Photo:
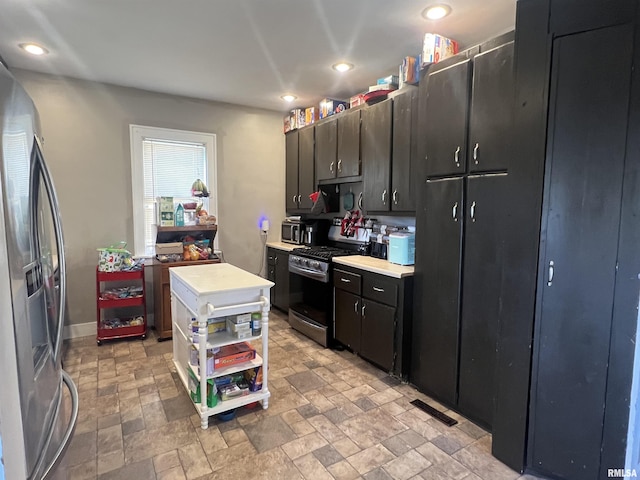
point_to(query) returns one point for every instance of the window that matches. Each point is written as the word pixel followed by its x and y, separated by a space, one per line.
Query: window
pixel 165 163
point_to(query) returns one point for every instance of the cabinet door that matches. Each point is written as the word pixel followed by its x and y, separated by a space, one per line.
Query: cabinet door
pixel 347 319
pixel 348 144
pixel 282 280
pixel 376 155
pixel 326 149
pixel 434 366
pixel 484 235
pixel 405 108
pixel 490 118
pixel 306 153
pixel 377 339
pixel 578 258
pixel 446 113
pixel 291 179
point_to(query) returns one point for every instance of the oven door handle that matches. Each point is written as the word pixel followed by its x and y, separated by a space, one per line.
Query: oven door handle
pixel 320 276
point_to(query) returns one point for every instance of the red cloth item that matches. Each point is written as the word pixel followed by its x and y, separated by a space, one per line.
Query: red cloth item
pixel 350 223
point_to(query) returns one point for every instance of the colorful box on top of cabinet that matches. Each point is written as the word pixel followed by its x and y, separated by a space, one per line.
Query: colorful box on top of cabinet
pixel 233 354
pixel 356 100
pixel 311 115
pixel 329 107
pixel 409 71
pixel 165 209
pixel 391 79
pixel 295 119
pixel 437 47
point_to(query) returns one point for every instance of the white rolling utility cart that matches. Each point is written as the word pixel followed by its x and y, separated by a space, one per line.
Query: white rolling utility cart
pixel 203 296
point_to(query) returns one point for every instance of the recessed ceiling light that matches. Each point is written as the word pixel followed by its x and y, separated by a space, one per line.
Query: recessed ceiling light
pixel 342 67
pixel 436 12
pixel 33 48
pixel 288 98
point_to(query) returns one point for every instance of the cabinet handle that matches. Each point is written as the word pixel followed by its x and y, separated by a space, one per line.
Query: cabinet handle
pixel 475 153
pixel 345 280
pixel 395 197
pixel 551 265
pixel 454 212
pixel 355 307
pixel 378 289
pixel 339 166
pixel 472 211
pixel 331 167
pixel 299 198
pixel 294 199
pixel 363 307
pixel 384 196
pixel 456 154
pixel 360 201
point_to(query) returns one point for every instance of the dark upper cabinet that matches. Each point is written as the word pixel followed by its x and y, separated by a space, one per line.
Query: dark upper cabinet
pixel 491 109
pixel 444 123
pixel 291 179
pixel 306 156
pixel 434 361
pixel 326 149
pixel 299 180
pixel 376 155
pixel 403 153
pixel 348 160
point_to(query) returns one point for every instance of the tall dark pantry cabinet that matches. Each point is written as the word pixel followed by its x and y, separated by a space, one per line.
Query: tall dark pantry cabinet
pixel 465 117
pixel 567 333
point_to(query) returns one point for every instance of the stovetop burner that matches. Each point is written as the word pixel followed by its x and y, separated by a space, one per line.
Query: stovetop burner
pixel 322 253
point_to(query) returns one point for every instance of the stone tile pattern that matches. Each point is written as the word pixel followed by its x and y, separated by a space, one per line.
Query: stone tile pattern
pixel 331 415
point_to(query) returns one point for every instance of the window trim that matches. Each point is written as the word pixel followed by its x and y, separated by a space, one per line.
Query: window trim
pixel 138 133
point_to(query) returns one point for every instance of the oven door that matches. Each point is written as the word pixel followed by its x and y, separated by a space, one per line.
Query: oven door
pixel 311 308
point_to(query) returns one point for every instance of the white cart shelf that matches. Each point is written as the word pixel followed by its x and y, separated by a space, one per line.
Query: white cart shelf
pixel 212 291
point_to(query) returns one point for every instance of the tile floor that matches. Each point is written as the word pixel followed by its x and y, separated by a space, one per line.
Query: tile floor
pixel 331 416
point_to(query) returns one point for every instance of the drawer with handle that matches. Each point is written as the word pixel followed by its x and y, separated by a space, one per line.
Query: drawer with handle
pixel 380 289
pixel 347 281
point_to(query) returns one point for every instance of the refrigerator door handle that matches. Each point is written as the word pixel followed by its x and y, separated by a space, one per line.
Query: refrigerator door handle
pixel 70 428
pixel 55 210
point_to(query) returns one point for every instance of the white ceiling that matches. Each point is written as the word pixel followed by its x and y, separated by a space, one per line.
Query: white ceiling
pixel 246 52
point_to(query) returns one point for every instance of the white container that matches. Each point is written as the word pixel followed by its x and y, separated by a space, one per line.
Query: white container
pixel 402 248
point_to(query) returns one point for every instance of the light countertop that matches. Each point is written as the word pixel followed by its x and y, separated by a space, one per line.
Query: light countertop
pixel 287 247
pixel 218 277
pixel 375 265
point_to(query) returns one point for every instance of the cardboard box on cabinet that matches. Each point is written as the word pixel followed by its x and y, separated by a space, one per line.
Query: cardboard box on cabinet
pixel 356 100
pixel 436 47
pixel 311 115
pixel 409 71
pixel 329 107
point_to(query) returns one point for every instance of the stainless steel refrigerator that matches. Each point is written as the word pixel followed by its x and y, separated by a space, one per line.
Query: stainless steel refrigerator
pixel 38 400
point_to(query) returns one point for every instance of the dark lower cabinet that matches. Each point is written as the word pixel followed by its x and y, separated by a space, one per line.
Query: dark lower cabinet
pixel 373 316
pixel 485 228
pixel 278 272
pixel 348 319
pixel 378 328
pixel 579 253
pixel 434 352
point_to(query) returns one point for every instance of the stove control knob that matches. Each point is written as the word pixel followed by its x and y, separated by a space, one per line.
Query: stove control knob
pixel 315 264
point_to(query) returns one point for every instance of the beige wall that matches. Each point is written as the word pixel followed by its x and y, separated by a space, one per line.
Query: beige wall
pixel 86 131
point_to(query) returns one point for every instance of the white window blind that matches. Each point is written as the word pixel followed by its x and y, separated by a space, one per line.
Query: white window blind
pixel 165 163
pixel 170 168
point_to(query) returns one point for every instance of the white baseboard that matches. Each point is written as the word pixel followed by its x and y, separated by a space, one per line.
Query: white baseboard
pixel 79 330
